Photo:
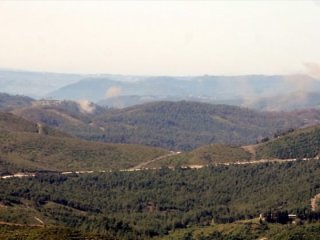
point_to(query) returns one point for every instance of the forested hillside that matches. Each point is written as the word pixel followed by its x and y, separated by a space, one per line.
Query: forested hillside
pixel 76 118
pixel 187 125
pixel 28 146
pixel 12 123
pixel 288 145
pixel 171 125
pixel 292 144
pixel 304 143
pixel 138 205
pixel 10 102
pixel 248 230
pixel 205 155
pixel 23 232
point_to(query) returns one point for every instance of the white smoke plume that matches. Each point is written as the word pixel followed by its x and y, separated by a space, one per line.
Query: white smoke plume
pixel 86 106
pixel 113 92
pixel 313 69
pixel 299 82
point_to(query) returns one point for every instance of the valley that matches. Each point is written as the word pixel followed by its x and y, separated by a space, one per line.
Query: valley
pixel 179 126
pixel 58 176
pixel 160 120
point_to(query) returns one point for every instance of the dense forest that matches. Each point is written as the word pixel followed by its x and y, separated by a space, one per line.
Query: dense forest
pixel 171 125
pixel 26 146
pixel 247 230
pixel 143 204
pixel 304 143
pixel 9 102
pixel 214 202
pixel 205 155
pixel 9 232
pixel 187 125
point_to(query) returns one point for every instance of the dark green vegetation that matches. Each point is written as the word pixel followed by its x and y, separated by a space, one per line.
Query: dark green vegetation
pixel 28 146
pixel 179 204
pixel 299 144
pixel 76 118
pixel 187 125
pixel 9 102
pixel 247 230
pixel 304 143
pixel 49 233
pixel 138 205
pixel 171 125
pixel 13 123
pixel 205 155
pixel 23 148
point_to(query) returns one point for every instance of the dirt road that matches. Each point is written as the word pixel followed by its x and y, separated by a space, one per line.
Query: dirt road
pixel 142 165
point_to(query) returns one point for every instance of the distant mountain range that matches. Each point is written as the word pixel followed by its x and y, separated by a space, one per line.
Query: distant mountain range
pixel 34 84
pixel 287 102
pixel 261 92
pixel 212 89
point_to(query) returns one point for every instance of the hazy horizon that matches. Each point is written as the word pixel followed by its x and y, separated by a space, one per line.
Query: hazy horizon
pixel 178 38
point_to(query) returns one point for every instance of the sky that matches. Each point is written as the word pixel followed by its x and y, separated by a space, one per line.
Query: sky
pixel 161 37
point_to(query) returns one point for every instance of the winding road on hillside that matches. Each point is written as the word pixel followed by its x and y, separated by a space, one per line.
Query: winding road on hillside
pixel 142 165
pixel 21 225
pixel 314 202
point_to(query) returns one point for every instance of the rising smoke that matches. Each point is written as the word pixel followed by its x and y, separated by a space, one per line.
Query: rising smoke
pixel 313 69
pixel 86 106
pixel 113 92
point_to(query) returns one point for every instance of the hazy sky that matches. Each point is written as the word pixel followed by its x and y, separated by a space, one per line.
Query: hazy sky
pixel 161 37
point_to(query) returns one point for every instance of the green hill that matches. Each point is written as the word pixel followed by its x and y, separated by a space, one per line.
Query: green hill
pixel 60 113
pixel 303 143
pixel 12 123
pixel 205 155
pixel 298 144
pixel 52 233
pixel 187 125
pixel 247 230
pixel 28 146
pixel 144 204
pixel 171 125
pixel 10 102
pixel 74 118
